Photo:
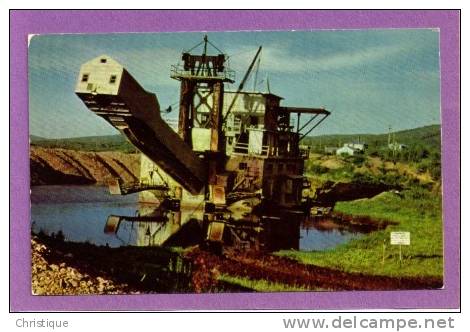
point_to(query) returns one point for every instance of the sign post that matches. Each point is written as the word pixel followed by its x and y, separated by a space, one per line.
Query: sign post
pixel 400 238
pixel 383 252
pixel 400 252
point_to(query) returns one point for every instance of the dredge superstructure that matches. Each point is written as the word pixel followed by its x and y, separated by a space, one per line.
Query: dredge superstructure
pixel 230 147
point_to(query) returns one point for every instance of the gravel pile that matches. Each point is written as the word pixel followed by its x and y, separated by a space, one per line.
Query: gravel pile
pixel 61 279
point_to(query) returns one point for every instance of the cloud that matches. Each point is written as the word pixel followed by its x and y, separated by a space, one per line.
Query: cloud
pixel 149 65
pixel 363 81
pixel 278 58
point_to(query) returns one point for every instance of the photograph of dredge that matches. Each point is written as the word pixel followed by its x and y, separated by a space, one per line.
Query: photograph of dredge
pixel 231 188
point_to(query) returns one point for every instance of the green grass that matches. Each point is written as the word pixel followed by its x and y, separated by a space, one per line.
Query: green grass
pixel 261 285
pixel 417 212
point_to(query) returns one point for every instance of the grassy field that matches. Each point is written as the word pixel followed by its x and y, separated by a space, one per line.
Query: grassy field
pixel 261 285
pixel 416 210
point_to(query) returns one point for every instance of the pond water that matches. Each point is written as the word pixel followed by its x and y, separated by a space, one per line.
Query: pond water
pixel 91 214
pixel 318 240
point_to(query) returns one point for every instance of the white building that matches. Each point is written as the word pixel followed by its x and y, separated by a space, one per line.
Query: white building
pixel 356 145
pixel 347 150
pixel 352 148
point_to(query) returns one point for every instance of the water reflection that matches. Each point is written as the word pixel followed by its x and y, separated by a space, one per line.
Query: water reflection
pixel 90 214
pixel 317 234
pixel 156 225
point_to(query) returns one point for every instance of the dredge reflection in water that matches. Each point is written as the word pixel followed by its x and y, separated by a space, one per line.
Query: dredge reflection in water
pixel 89 214
pixel 161 226
pixel 158 226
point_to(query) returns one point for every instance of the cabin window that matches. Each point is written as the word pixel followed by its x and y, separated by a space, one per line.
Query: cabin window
pixel 103 60
pixel 112 79
pixel 85 77
pixel 242 166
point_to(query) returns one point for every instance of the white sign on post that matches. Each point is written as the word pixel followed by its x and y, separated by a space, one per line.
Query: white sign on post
pixel 400 238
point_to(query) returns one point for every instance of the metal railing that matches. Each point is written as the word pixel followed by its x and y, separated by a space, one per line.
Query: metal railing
pixel 243 148
pixel 178 71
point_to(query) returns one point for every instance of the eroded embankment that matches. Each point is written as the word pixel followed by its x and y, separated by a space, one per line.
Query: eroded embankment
pixel 331 192
pixel 61 166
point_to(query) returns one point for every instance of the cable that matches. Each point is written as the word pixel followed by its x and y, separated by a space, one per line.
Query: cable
pixel 192 48
pixel 215 47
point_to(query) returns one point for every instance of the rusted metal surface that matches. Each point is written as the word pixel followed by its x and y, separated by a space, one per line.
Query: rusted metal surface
pixel 215 231
pixel 216 117
pixel 218 194
pixel 112 224
pixel 186 100
pixel 203 67
pixel 306 110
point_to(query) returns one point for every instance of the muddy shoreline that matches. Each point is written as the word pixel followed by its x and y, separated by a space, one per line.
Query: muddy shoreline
pixel 60 268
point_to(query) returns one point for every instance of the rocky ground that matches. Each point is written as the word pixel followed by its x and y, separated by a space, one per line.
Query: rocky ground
pixel 71 268
pixel 62 279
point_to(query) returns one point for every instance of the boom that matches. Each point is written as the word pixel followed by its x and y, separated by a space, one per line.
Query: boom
pixel 108 90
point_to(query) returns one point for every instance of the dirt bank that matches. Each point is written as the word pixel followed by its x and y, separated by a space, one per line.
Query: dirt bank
pixel 331 192
pixel 61 166
pixel 258 266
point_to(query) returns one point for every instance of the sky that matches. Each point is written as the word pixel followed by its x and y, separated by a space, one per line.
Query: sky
pixel 370 80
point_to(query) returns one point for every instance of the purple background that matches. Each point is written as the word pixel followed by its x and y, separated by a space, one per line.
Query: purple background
pixel 23 23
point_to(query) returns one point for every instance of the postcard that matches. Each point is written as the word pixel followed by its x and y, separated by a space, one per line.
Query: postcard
pixel 285 164
pixel 235 162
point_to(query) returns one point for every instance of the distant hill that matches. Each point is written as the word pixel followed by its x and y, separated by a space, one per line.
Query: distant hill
pixel 34 138
pixel 427 135
pixel 88 143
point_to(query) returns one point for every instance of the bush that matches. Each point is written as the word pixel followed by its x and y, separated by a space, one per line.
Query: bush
pixel 358 159
pixel 436 171
pixel 365 178
pixel 417 192
pixel 317 169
